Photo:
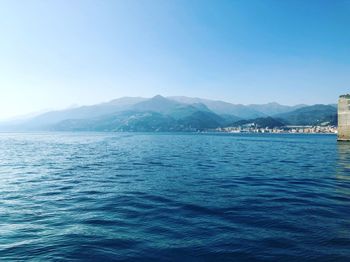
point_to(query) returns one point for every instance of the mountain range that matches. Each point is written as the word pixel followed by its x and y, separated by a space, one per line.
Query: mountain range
pixel 176 113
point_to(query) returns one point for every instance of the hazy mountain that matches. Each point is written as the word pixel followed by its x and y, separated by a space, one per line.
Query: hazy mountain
pixel 272 109
pixel 242 111
pixel 154 114
pixel 22 118
pixel 229 119
pixel 84 112
pixel 310 115
pixel 221 107
pixel 157 103
pixel 182 111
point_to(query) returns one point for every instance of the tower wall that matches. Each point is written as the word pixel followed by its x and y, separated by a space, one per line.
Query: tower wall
pixel 344 118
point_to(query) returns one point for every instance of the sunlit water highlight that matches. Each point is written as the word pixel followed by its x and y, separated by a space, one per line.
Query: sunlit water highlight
pixel 171 197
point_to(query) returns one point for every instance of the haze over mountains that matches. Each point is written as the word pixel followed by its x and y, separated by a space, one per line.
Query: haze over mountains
pixel 175 113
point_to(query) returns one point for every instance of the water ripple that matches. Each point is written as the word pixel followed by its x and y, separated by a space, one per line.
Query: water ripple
pixel 170 197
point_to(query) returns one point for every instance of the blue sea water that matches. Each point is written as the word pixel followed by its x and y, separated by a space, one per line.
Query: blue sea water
pixel 174 197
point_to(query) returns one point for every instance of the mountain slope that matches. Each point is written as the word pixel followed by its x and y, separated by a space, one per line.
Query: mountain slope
pixel 272 109
pixel 158 104
pixel 310 115
pixel 182 118
pixel 196 116
pixel 84 112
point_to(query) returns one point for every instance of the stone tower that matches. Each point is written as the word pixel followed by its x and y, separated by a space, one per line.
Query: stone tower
pixel 344 118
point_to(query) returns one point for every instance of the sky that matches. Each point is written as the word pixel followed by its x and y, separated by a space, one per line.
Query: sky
pixel 59 53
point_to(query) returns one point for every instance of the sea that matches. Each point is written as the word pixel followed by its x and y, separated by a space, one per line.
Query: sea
pixel 174 197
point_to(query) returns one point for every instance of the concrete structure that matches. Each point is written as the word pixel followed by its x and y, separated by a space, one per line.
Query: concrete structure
pixel 344 118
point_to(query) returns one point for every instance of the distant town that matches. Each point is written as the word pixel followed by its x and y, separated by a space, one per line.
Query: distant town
pixel 278 130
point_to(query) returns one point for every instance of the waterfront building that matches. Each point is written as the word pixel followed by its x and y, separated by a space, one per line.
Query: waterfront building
pixel 344 118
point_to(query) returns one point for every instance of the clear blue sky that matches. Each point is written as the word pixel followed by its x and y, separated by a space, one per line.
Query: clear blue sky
pixel 57 53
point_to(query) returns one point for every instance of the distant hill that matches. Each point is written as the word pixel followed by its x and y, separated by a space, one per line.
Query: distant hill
pixel 310 115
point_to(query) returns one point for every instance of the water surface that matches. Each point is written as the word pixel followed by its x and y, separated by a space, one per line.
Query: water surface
pixel 171 197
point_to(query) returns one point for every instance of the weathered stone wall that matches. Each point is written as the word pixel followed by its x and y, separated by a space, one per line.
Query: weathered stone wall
pixel 344 118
